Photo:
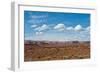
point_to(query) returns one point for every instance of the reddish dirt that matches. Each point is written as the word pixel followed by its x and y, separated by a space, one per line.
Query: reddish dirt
pixel 56 51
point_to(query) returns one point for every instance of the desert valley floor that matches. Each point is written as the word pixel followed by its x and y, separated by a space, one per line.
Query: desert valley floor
pixel 54 50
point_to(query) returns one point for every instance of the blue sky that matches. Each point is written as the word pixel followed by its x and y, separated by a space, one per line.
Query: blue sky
pixel 54 26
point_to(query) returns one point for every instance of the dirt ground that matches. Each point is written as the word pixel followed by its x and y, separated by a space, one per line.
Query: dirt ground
pixel 60 51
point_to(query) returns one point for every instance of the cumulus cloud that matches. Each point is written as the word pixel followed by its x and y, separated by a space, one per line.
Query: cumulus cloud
pixel 70 28
pixel 42 28
pixel 33 26
pixel 39 33
pixel 59 27
pixel 78 28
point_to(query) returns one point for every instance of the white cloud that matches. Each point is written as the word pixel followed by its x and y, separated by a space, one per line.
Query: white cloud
pixel 33 26
pixel 38 16
pixel 60 27
pixel 36 21
pixel 70 28
pixel 88 28
pixel 42 28
pixel 78 28
pixel 39 33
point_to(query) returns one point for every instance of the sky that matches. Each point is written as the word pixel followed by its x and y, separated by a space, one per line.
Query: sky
pixel 56 26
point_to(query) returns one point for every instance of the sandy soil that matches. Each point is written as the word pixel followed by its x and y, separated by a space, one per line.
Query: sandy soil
pixel 56 51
